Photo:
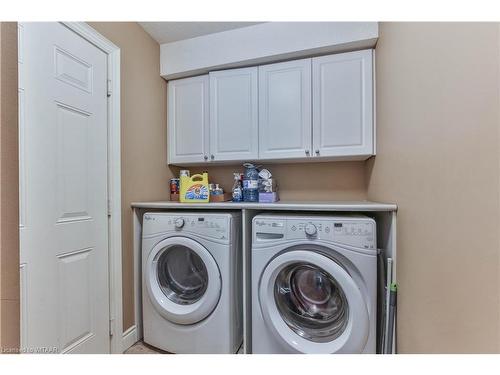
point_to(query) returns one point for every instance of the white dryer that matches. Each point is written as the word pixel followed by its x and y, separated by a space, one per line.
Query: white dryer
pixel 314 284
pixel 191 282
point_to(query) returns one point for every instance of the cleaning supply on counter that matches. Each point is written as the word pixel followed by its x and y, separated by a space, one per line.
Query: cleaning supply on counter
pixel 237 189
pixel 217 193
pixel 250 183
pixel 217 190
pixel 267 184
pixel 268 189
pixel 194 189
pixel 268 197
pixel 174 189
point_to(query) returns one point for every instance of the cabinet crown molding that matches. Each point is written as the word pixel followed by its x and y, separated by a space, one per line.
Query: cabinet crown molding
pixel 263 43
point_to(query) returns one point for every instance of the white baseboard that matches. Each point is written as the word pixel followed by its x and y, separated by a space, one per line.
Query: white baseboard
pixel 129 338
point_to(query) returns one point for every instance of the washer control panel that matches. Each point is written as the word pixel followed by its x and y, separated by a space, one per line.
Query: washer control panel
pixel 354 231
pixel 203 225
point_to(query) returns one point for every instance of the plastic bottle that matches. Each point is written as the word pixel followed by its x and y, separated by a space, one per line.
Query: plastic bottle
pixel 237 189
pixel 218 190
pixel 250 183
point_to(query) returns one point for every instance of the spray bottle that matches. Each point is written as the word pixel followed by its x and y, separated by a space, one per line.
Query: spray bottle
pixel 237 188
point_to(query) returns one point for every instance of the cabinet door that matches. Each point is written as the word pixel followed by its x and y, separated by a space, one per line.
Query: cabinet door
pixel 188 116
pixel 343 104
pixel 285 110
pixel 233 115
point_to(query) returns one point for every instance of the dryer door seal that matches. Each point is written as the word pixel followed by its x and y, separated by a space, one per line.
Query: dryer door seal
pixel 313 304
pixel 183 280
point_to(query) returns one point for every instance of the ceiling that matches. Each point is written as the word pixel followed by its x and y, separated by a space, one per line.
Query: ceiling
pixel 165 32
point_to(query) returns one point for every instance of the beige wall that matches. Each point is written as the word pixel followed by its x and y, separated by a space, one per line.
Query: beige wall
pixel 9 193
pixel 145 173
pixel 306 181
pixel 438 159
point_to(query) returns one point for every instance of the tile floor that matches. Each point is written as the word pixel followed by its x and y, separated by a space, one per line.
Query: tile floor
pixel 142 348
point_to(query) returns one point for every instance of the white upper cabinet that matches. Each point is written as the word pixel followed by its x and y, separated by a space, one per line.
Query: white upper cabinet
pixel 234 114
pixel 342 98
pixel 188 117
pixel 314 109
pixel 285 110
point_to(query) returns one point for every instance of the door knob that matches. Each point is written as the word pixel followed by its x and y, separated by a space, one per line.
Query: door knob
pixel 317 152
pixel 205 157
pixel 212 157
pixel 307 152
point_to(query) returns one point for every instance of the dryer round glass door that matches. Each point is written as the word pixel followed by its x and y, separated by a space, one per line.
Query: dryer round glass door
pixel 182 275
pixel 183 280
pixel 313 305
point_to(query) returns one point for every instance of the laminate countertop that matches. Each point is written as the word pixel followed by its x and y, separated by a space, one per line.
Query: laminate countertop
pixel 362 206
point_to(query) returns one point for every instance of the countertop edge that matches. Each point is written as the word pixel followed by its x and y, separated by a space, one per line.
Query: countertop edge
pixel 281 205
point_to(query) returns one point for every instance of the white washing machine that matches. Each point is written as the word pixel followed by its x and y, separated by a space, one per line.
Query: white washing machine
pixel 314 284
pixel 191 282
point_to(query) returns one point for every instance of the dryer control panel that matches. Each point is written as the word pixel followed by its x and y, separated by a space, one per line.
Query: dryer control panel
pixel 356 231
pixel 213 226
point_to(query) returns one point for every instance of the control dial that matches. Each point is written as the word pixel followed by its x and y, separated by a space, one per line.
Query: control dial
pixel 310 229
pixel 179 222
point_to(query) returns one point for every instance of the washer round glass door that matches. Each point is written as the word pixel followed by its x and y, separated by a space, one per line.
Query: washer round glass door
pixel 313 304
pixel 183 280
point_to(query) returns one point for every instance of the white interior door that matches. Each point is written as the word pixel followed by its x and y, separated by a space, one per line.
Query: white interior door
pixel 64 223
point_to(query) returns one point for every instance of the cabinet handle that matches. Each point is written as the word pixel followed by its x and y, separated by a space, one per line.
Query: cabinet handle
pixel 317 152
pixel 212 157
pixel 307 152
pixel 205 157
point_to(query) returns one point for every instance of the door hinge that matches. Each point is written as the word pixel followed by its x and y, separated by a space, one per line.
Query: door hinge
pixel 111 327
pixel 109 88
pixel 109 207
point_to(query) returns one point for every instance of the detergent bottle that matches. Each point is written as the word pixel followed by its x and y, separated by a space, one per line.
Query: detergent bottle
pixel 194 188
